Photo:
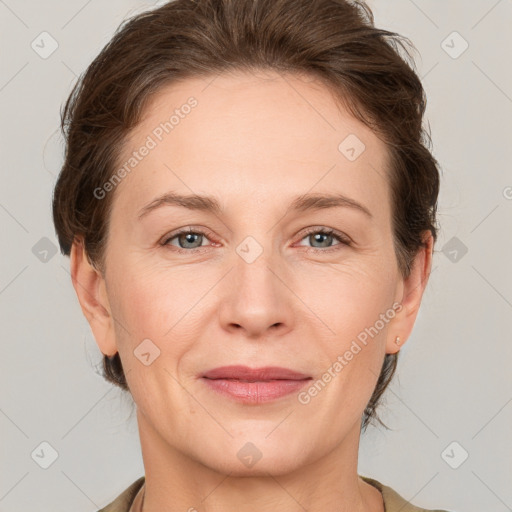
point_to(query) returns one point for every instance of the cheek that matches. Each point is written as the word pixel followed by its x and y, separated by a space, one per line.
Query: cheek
pixel 357 308
pixel 167 306
pixel 352 298
pixel 153 306
pixel 361 309
pixel 155 299
pixel 358 312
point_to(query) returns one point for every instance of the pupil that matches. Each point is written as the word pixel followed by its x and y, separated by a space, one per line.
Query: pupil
pixel 318 237
pixel 189 237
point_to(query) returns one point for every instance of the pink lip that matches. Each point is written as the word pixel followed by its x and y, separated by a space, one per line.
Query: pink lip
pixel 254 374
pixel 254 385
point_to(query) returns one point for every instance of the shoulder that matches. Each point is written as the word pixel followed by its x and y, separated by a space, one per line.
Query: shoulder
pixel 394 502
pixel 124 501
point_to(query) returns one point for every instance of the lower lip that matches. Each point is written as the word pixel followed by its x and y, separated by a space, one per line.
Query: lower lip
pixel 255 392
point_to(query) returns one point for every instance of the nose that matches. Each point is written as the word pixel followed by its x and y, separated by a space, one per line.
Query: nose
pixel 256 299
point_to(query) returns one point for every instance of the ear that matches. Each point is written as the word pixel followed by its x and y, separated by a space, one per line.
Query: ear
pixel 90 288
pixel 409 295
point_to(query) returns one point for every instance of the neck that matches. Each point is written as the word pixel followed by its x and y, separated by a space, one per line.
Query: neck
pixel 176 481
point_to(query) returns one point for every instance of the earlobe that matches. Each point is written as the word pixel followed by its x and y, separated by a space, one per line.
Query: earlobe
pixel 90 289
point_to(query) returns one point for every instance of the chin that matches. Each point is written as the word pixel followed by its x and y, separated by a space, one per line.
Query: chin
pixel 254 453
pixel 275 464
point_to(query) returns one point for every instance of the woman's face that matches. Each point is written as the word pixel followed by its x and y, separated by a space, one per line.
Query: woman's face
pixel 255 283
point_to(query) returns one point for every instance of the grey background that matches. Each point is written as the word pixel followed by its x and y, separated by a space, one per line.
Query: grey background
pixel 454 381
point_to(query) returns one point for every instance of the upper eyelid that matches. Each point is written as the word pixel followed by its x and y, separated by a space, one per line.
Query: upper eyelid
pixel 184 231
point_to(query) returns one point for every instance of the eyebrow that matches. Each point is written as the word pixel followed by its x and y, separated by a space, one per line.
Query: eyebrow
pixel 301 203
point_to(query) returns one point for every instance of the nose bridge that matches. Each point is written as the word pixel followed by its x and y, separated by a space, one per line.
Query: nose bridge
pixel 254 278
pixel 255 296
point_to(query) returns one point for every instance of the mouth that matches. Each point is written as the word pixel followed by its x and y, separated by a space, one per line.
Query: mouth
pixel 254 385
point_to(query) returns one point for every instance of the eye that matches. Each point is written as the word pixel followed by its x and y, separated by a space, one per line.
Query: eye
pixel 187 239
pixel 191 239
pixel 325 237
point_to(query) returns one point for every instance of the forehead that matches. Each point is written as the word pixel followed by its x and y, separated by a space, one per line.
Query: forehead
pixel 251 132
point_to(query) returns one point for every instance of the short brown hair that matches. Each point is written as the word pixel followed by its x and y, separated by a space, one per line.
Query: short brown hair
pixel 333 40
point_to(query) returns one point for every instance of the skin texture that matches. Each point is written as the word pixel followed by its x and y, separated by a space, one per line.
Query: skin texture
pixel 254 142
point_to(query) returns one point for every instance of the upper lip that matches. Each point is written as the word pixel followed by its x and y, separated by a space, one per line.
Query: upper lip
pixel 254 374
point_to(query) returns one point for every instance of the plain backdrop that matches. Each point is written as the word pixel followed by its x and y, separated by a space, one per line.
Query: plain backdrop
pixel 450 405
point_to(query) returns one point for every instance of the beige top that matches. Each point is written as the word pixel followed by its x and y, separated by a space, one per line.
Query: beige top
pixel 393 502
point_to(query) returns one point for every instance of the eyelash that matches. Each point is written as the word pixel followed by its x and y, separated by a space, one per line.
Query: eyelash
pixel 343 239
